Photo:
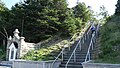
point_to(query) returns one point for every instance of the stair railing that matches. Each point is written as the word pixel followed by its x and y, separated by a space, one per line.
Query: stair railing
pixel 79 44
pixel 62 52
pixel 90 46
pixel 73 53
pixel 92 41
pixel 81 40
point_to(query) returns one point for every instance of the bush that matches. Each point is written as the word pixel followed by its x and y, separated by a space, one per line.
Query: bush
pixel 2 53
pixel 110 42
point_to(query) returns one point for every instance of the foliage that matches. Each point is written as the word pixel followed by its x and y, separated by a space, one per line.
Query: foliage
pixel 39 20
pixel 2 53
pixel 4 13
pixel 103 11
pixel 4 18
pixel 45 53
pixel 42 19
pixel 110 41
pixel 82 12
pixel 117 11
pixel 103 15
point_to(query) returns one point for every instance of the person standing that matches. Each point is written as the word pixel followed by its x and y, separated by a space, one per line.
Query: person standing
pixel 93 29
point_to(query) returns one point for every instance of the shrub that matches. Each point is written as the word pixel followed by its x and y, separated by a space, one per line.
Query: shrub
pixel 110 41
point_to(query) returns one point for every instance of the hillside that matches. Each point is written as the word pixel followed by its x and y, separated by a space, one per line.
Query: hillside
pixel 110 41
pixel 52 47
pixel 43 19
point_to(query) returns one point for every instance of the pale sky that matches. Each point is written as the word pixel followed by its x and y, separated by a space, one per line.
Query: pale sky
pixel 9 3
pixel 95 4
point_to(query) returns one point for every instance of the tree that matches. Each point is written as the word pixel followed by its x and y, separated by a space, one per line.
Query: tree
pixel 39 19
pixel 117 11
pixel 82 12
pixel 103 14
pixel 4 18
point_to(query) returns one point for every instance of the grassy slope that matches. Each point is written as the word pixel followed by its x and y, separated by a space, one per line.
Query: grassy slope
pixel 110 41
pixel 49 51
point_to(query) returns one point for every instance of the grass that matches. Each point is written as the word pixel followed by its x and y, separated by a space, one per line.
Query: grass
pixel 49 51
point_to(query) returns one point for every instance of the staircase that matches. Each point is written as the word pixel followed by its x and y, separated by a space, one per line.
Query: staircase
pixel 80 55
pixel 80 51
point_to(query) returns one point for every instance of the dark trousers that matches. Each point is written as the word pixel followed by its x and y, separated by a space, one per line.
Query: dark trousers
pixel 93 31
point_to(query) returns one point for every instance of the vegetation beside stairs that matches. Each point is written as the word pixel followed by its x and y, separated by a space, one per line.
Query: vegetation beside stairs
pixel 51 48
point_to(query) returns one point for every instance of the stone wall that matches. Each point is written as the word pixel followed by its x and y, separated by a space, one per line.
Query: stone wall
pixel 26 47
pixel 91 64
pixel 23 46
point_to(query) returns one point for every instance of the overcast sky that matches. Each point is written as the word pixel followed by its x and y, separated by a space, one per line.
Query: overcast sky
pixel 95 4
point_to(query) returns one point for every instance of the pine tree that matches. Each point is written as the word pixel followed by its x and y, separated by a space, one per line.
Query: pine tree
pixel 4 18
pixel 117 11
pixel 82 12
pixel 39 19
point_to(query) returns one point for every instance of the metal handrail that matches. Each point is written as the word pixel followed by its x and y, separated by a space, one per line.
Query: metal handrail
pixel 91 43
pixel 57 57
pixel 90 28
pixel 73 53
pixel 88 52
pixel 61 53
pixel 69 49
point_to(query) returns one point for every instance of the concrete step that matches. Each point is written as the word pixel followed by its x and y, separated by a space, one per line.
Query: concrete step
pixel 77 60
pixel 77 57
pixel 77 51
pixel 72 62
pixel 77 54
pixel 71 66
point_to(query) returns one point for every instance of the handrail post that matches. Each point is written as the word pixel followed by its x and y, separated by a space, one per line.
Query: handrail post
pixel 92 44
pixel 92 41
pixel 69 48
pixel 89 55
pixel 80 45
pixel 74 57
pixel 62 54
pixel 95 37
pixel 85 36
pixel 83 40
